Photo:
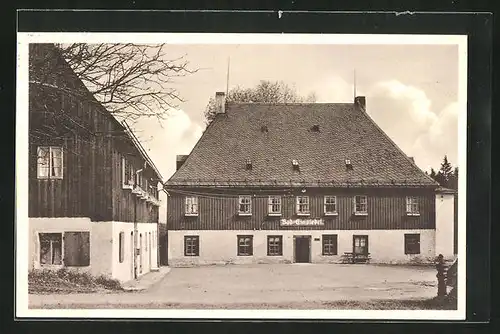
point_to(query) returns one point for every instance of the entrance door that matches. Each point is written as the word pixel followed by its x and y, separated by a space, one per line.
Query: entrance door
pixel 360 244
pixel 302 249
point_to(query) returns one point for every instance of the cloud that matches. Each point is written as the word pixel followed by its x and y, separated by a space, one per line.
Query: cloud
pixel 405 113
pixel 177 134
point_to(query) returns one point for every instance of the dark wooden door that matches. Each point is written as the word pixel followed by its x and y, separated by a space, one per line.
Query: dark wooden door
pixel 360 244
pixel 302 245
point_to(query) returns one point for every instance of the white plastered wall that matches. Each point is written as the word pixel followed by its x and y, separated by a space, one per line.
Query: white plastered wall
pixel 220 247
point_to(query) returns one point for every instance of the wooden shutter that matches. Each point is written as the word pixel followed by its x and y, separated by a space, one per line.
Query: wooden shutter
pixel 77 249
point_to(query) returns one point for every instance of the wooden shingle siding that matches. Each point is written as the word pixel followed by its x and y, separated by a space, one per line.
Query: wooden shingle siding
pixel 386 210
pixel 62 113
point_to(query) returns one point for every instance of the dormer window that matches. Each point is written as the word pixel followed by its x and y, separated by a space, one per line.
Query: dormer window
pixel 248 164
pixel 295 164
pixel 264 128
pixel 348 164
pixel 315 128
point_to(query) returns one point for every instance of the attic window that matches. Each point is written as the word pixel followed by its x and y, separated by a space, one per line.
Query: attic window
pixel 264 128
pixel 348 164
pixel 295 164
pixel 315 128
pixel 248 165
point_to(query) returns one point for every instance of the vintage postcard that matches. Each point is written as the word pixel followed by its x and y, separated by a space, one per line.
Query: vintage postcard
pixel 249 176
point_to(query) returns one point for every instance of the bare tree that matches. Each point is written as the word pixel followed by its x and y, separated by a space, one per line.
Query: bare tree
pixel 266 91
pixel 129 80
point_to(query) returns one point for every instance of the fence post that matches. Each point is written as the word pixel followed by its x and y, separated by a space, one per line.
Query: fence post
pixel 441 276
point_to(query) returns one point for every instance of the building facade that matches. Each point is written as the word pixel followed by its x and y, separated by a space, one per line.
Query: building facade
pixel 296 182
pixel 93 191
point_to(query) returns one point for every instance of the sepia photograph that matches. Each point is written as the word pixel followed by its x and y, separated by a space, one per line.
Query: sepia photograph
pixel 233 175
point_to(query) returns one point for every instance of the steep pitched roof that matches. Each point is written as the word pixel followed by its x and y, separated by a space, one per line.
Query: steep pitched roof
pixel 345 132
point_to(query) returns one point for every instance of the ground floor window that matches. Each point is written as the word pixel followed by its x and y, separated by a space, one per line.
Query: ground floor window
pixel 50 248
pixel 121 246
pixel 274 245
pixel 192 245
pixel 329 244
pixel 245 245
pixel 412 243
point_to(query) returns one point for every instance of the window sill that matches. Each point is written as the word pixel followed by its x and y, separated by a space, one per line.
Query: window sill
pixel 303 214
pixel 191 214
pixel 50 178
pixel 245 254
pixel 416 214
pixel 361 213
pixel 274 214
pixel 331 214
pixel 329 254
pixel 244 214
pixel 127 186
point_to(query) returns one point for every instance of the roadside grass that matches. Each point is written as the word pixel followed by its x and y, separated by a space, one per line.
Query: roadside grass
pixel 388 304
pixel 62 281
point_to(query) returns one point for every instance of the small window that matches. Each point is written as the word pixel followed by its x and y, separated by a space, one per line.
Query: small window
pixel 50 248
pixel 127 174
pixel 330 205
pixel 192 245
pixel 303 205
pixel 191 208
pixel 245 205
pixel 295 165
pixel 360 205
pixel 121 246
pixel 274 245
pixel 49 162
pixel 274 205
pixel 329 244
pixel 412 207
pixel 248 165
pixel 412 243
pixel 245 245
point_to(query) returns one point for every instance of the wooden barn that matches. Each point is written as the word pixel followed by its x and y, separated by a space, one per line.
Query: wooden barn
pixel 93 190
pixel 302 182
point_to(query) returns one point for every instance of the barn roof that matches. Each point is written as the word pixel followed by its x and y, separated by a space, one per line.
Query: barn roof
pixel 323 138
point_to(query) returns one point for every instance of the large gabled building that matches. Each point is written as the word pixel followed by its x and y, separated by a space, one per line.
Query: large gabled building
pixel 302 182
pixel 93 190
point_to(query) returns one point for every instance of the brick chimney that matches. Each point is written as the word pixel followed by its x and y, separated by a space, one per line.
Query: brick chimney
pixel 360 101
pixel 180 159
pixel 220 102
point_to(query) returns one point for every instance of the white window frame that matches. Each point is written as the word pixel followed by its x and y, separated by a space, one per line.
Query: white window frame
pixel 242 200
pixel 191 207
pixel 326 202
pixel 412 206
pixel 298 206
pixel 271 205
pixel 127 184
pixel 355 204
pixel 50 265
pixel 50 162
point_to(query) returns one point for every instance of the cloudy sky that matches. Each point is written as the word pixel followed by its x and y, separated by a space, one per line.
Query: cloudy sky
pixel 411 91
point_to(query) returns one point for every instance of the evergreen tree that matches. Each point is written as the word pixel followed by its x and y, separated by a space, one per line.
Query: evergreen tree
pixel 446 171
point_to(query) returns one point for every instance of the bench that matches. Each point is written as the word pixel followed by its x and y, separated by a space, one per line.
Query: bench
pixel 349 257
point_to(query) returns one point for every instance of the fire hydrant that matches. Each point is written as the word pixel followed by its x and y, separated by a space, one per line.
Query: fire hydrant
pixel 441 276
